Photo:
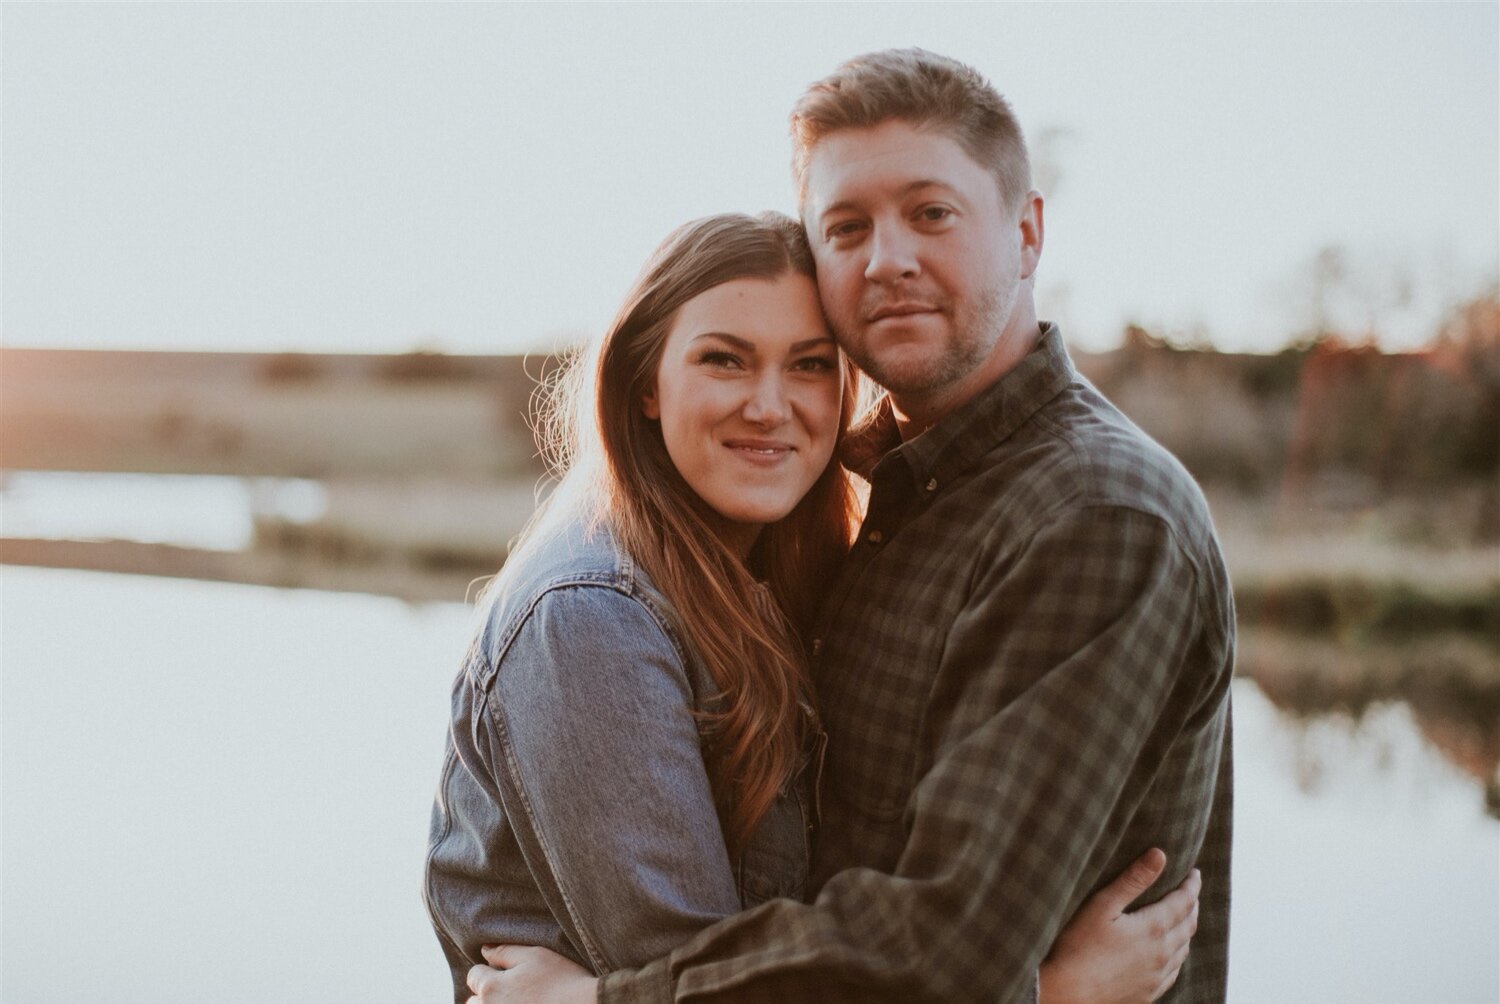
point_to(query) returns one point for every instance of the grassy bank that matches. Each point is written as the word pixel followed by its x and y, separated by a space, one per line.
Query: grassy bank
pixel 1355 610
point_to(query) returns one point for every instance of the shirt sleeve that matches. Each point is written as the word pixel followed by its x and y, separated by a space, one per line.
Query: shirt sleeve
pixel 600 771
pixel 1063 687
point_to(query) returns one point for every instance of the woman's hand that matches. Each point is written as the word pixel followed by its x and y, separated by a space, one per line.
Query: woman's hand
pixel 1108 956
pixel 530 975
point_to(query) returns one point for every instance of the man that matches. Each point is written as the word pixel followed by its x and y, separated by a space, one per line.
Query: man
pixel 1024 669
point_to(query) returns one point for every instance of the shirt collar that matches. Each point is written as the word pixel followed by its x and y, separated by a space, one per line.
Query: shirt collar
pixel 958 442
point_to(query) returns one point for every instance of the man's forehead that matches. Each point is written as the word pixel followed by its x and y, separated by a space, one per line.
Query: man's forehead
pixel 893 157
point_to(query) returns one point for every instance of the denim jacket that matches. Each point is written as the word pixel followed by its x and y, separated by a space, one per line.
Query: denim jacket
pixel 574 809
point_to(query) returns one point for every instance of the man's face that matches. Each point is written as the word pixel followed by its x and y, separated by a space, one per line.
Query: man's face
pixel 921 268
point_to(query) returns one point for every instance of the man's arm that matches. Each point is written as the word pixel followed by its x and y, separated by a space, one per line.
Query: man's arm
pixel 1063 690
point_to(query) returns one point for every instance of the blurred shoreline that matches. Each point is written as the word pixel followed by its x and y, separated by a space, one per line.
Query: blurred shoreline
pixel 1357 493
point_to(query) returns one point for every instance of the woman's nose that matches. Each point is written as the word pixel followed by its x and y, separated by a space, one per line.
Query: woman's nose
pixel 767 404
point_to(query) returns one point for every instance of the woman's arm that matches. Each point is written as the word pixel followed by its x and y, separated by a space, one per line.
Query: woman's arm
pixel 603 776
pixel 1103 956
pixel 581 728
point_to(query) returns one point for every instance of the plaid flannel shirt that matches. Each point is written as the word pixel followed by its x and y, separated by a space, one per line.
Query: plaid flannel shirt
pixel 1024 673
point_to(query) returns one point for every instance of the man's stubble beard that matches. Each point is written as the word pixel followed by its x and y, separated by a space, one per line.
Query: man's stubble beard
pixel 972 338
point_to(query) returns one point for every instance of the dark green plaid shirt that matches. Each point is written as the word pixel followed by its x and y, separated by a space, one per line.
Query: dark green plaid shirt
pixel 1024 673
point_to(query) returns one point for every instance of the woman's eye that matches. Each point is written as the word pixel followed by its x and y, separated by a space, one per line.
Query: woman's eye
pixel 846 229
pixel 721 360
pixel 816 364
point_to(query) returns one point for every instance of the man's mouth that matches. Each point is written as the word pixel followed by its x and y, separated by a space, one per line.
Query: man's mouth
pixel 902 309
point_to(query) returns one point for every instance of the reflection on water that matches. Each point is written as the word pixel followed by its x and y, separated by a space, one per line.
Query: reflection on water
pixel 1475 749
pixel 1325 742
pixel 219 775
pixel 1364 871
pixel 1445 686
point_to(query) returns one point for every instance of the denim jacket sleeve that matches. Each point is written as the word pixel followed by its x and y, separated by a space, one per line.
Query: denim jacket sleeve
pixel 586 715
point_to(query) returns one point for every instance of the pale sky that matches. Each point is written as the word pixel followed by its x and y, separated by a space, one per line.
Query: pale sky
pixel 475 178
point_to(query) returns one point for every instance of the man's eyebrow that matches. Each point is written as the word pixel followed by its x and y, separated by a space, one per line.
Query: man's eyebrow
pixel 911 186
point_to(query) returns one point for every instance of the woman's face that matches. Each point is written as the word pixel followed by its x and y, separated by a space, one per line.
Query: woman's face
pixel 748 394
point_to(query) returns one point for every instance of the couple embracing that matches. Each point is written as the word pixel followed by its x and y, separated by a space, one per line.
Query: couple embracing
pixel 780 701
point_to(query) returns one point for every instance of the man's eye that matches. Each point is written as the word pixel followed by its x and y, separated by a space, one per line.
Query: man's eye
pixel 842 230
pixel 934 214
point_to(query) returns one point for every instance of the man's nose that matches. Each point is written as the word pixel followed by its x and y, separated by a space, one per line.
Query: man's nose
pixel 767 404
pixel 893 255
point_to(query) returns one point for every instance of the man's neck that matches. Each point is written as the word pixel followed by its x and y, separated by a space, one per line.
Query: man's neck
pixel 915 415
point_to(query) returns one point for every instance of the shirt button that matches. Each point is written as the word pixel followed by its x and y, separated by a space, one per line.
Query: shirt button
pixel 932 484
pixel 817 646
pixel 875 536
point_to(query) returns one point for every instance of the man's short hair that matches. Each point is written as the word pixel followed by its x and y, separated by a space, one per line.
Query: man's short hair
pixel 923 89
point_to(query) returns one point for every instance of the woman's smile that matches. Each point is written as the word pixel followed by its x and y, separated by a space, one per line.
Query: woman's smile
pixel 760 451
pixel 748 394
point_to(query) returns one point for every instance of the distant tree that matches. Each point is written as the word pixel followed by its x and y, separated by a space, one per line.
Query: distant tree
pixel 1468 348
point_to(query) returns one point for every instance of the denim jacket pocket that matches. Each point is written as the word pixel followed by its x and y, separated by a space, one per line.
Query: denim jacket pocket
pixel 775 861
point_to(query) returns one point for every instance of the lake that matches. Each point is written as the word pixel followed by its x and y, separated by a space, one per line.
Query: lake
pixel 218 790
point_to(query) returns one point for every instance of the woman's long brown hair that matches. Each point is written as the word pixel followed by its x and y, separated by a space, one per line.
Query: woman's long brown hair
pixel 748 635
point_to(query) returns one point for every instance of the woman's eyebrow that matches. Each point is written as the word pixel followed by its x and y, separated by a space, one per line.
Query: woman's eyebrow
pixel 747 345
pixel 813 343
pixel 724 336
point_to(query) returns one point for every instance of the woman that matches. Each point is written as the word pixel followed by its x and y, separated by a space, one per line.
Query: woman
pixel 634 749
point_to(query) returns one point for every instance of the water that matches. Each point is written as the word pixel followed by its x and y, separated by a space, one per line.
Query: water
pixel 1365 868
pixel 216 790
pixel 190 510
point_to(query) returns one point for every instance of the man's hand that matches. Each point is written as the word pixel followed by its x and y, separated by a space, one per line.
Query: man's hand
pixel 529 976
pixel 1108 956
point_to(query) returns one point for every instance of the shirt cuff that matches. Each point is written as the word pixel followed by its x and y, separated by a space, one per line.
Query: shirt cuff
pixel 650 985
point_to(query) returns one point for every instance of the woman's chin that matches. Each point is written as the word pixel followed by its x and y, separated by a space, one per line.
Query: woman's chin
pixel 754 505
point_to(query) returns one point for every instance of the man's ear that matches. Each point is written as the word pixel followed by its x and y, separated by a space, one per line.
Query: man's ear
pixel 650 407
pixel 1032 232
